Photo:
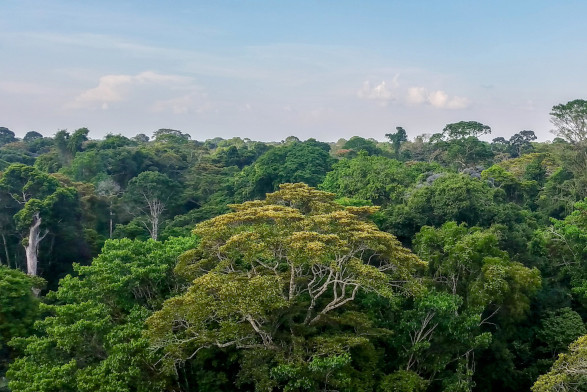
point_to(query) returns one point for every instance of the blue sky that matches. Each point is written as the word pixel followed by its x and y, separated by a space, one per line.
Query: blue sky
pixel 269 69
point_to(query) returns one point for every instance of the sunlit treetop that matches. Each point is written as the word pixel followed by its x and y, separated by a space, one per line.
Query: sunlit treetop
pixel 294 259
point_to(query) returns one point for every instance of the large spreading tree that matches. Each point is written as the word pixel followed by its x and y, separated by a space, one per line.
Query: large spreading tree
pixel 277 281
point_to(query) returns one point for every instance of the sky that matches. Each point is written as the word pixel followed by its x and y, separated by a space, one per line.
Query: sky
pixel 265 70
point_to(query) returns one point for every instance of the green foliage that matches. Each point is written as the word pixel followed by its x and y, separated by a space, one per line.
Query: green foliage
pixel 306 162
pixel 504 180
pixel 6 136
pixel 205 181
pixel 358 144
pixel 91 338
pixel 569 372
pixel 111 142
pixel 173 136
pixel 468 262
pixel 397 139
pixel 18 309
pixel 520 142
pixel 474 318
pixel 441 198
pixel 465 129
pixel 436 332
pixel 239 154
pixel 68 145
pixel 37 198
pixel 24 182
pixel 377 179
pixel 566 242
pixel 318 373
pixel 148 195
pixel 32 136
pixel 310 258
pixel 474 287
pixel 560 328
pixel 48 162
pixel 86 166
pixel 570 120
pixel 9 156
pixel 403 381
pixel 460 153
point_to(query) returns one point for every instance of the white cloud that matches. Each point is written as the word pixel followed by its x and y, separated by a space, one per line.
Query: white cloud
pixel 381 93
pixel 438 99
pixel 384 93
pixel 395 82
pixel 458 103
pixel 417 95
pixel 113 89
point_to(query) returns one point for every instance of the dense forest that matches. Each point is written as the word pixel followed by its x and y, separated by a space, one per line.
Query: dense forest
pixel 163 263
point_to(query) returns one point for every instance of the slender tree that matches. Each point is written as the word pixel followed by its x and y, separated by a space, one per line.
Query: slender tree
pixel 148 195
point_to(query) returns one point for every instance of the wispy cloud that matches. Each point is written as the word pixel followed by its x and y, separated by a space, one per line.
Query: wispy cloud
pixel 385 92
pixel 189 103
pixel 175 93
pixel 24 88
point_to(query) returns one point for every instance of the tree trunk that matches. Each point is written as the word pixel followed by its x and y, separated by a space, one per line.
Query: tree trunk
pixel 110 224
pixel 156 208
pixel 111 216
pixel 6 250
pixel 32 246
pixel 154 227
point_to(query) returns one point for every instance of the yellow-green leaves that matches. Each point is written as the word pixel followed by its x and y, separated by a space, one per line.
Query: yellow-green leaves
pixel 218 310
pixel 569 372
pixel 293 259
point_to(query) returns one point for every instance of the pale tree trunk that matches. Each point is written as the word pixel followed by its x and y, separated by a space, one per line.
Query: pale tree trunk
pixel 154 227
pixel 156 208
pixel 32 246
pixel 111 215
pixel 6 250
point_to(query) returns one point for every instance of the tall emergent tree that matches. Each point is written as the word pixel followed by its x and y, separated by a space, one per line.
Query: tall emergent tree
pixel 570 120
pixel 397 139
pixel 465 129
pixel 109 190
pixel 34 196
pixel 277 282
pixel 520 142
pixel 6 136
pixel 149 194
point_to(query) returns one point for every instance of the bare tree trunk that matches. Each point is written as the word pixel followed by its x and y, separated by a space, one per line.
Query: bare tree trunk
pixel 32 246
pixel 154 227
pixel 6 250
pixel 111 214
pixel 156 208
